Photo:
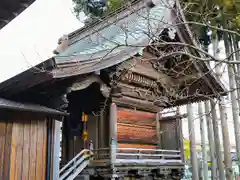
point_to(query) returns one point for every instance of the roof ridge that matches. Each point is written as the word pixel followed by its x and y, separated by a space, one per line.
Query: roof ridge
pixel 111 17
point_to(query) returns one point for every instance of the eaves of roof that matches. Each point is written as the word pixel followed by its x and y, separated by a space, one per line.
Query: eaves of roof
pixel 12 105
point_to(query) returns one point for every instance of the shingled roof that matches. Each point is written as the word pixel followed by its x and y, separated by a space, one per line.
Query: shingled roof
pixel 113 40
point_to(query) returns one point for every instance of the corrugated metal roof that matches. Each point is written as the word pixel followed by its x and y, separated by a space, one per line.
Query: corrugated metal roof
pixel 12 105
pixel 117 42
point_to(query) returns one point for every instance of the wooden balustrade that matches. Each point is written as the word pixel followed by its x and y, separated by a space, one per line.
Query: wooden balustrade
pixel 137 155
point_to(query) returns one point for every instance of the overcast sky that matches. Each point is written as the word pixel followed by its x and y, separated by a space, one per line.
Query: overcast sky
pixel 32 36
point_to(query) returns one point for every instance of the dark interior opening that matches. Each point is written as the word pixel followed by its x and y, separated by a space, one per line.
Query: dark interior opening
pixel 89 101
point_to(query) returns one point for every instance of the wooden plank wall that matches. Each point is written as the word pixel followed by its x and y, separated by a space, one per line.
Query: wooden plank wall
pixel 169 134
pixel 5 148
pixel 23 143
pixel 136 127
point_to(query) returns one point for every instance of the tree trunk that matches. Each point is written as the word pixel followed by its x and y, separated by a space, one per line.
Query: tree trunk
pixel 203 138
pixel 211 141
pixel 217 141
pixel 232 88
pixel 210 136
pixel 223 117
pixel 191 130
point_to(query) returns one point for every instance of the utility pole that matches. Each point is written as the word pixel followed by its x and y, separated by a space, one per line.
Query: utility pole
pixel 223 117
pixel 217 140
pixel 191 131
pixel 203 137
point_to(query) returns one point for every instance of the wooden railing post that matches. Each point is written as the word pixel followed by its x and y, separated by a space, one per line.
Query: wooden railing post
pixel 91 148
pixel 113 151
pixel 113 157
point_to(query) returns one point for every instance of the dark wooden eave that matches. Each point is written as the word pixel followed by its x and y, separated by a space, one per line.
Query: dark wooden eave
pixel 9 9
pixel 27 79
pixel 18 106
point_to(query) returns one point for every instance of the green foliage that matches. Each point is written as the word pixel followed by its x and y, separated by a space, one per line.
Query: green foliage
pixel 113 5
pixel 89 9
pixel 214 13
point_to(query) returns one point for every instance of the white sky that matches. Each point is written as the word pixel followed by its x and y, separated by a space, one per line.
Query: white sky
pixel 32 36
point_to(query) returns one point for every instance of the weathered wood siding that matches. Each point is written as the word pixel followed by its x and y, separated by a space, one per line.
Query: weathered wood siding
pixel 169 134
pixel 136 127
pixel 131 133
pixel 5 148
pixel 23 147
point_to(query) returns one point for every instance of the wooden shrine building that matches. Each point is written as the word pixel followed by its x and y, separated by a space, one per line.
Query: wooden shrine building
pixel 114 78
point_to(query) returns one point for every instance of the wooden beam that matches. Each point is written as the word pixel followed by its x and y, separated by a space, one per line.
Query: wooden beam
pixel 133 103
pixel 147 71
pixel 139 93
pixel 189 77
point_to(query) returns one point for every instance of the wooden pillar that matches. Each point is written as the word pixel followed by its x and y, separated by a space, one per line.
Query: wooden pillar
pixel 64 147
pixel 180 134
pixel 158 130
pixel 113 122
pixel 113 136
pixel 97 133
pixel 102 130
pixel 56 149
